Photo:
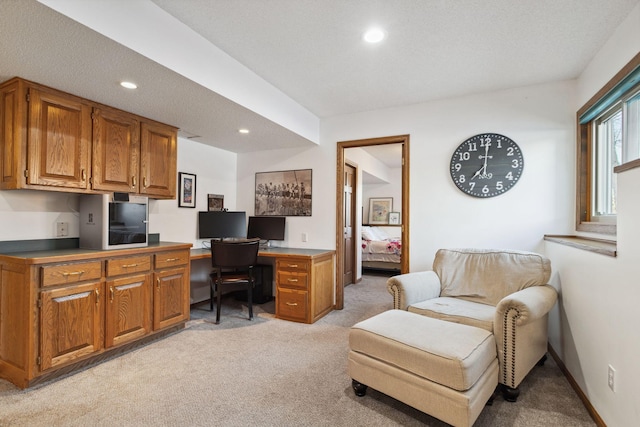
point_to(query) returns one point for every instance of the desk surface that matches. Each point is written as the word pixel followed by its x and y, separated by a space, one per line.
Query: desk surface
pixel 272 252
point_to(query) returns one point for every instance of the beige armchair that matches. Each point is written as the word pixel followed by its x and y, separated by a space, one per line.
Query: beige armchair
pixel 502 291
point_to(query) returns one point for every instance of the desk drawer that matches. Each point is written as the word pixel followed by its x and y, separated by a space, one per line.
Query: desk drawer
pixel 291 279
pixel 293 264
pixel 138 264
pixel 63 274
pixel 291 305
pixel 172 258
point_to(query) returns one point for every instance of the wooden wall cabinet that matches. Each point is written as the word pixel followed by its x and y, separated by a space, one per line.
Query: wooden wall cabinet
pixel 51 140
pixel 304 287
pixel 61 312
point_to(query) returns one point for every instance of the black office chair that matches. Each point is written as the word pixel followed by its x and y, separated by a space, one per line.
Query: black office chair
pixel 233 263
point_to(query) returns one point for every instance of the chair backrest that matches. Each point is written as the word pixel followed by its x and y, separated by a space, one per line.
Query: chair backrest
pixel 234 253
pixel 488 275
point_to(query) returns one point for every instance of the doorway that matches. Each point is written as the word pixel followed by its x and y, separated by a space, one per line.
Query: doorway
pixel 341 223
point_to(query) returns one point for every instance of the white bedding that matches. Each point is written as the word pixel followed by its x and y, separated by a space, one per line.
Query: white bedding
pixel 377 245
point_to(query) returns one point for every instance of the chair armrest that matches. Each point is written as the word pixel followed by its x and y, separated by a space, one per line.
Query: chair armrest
pixel 410 288
pixel 530 303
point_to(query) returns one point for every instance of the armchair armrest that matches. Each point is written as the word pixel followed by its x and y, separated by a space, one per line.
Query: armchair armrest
pixel 410 288
pixel 530 304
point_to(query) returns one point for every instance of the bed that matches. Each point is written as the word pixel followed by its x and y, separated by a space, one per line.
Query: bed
pixel 380 250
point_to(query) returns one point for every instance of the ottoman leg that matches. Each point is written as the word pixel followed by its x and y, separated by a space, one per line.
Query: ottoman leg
pixel 358 388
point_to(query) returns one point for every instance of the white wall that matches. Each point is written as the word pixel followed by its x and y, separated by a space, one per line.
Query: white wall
pixel 594 324
pixel 392 189
pixel 31 215
pixel 539 118
pixel 320 226
pixel 215 172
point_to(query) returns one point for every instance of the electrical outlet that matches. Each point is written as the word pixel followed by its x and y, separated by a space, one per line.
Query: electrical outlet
pixel 305 237
pixel 612 378
pixel 62 229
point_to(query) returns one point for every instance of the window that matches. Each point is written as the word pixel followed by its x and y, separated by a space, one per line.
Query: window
pixel 608 143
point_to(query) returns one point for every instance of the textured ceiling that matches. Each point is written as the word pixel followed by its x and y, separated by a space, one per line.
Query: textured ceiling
pixel 311 50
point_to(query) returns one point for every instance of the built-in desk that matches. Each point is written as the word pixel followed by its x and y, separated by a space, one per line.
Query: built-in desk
pixel 304 280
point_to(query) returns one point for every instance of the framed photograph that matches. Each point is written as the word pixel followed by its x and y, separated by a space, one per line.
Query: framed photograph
pixel 186 190
pixel 215 202
pixel 283 193
pixel 379 208
pixel 394 218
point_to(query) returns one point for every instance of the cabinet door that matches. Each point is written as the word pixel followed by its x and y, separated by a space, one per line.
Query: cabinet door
pixel 158 160
pixel 12 135
pixel 127 315
pixel 116 151
pixel 171 297
pixel 59 139
pixel 70 323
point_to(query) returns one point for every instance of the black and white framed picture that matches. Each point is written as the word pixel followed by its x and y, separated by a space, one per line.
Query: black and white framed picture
pixel 186 190
pixel 283 193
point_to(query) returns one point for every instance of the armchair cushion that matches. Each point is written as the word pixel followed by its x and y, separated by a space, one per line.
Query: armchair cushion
pixel 486 276
pixel 457 310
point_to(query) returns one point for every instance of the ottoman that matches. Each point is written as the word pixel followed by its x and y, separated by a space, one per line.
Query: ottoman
pixel 447 370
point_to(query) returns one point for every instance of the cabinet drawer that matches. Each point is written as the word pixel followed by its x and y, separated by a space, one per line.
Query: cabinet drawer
pixel 293 264
pixel 62 274
pixel 116 267
pixel 291 305
pixel 171 258
pixel 292 279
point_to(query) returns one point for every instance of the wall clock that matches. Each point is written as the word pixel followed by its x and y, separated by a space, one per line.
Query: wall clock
pixel 486 165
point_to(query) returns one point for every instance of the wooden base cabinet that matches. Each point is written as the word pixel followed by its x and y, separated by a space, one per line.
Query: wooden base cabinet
pixel 304 286
pixel 62 312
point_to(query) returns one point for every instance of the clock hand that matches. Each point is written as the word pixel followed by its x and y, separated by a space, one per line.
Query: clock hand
pixel 483 169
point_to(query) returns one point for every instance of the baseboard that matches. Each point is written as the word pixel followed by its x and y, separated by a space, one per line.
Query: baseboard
pixel 585 401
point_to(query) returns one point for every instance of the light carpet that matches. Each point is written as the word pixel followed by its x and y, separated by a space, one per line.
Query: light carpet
pixel 265 372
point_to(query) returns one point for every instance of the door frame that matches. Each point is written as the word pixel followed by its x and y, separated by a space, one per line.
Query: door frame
pixel 404 256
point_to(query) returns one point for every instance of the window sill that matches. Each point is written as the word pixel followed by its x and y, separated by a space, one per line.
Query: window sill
pixel 627 166
pixel 600 246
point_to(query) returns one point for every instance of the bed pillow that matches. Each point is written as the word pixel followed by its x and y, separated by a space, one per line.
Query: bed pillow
pixel 367 234
pixel 381 234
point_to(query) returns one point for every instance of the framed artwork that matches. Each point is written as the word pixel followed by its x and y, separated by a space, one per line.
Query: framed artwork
pixel 215 202
pixel 394 218
pixel 186 190
pixel 379 208
pixel 283 193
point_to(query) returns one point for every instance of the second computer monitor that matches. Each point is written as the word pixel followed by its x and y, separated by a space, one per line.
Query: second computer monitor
pixel 266 227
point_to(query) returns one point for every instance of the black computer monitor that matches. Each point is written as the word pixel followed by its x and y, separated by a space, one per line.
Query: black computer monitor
pixel 266 227
pixel 222 225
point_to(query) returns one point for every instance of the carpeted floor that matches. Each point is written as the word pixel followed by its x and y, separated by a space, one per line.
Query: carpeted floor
pixel 267 372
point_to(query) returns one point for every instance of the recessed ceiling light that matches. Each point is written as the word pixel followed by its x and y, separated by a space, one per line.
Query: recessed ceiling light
pixel 243 130
pixel 374 35
pixel 129 85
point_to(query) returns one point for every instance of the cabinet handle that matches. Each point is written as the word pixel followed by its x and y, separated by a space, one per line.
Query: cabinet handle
pixel 97 296
pixel 129 265
pixel 111 292
pixel 293 280
pixel 158 283
pixel 144 182
pixel 293 304
pixel 171 259
pixel 73 273
pixel 134 181
pixel 293 265
pixel 84 175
